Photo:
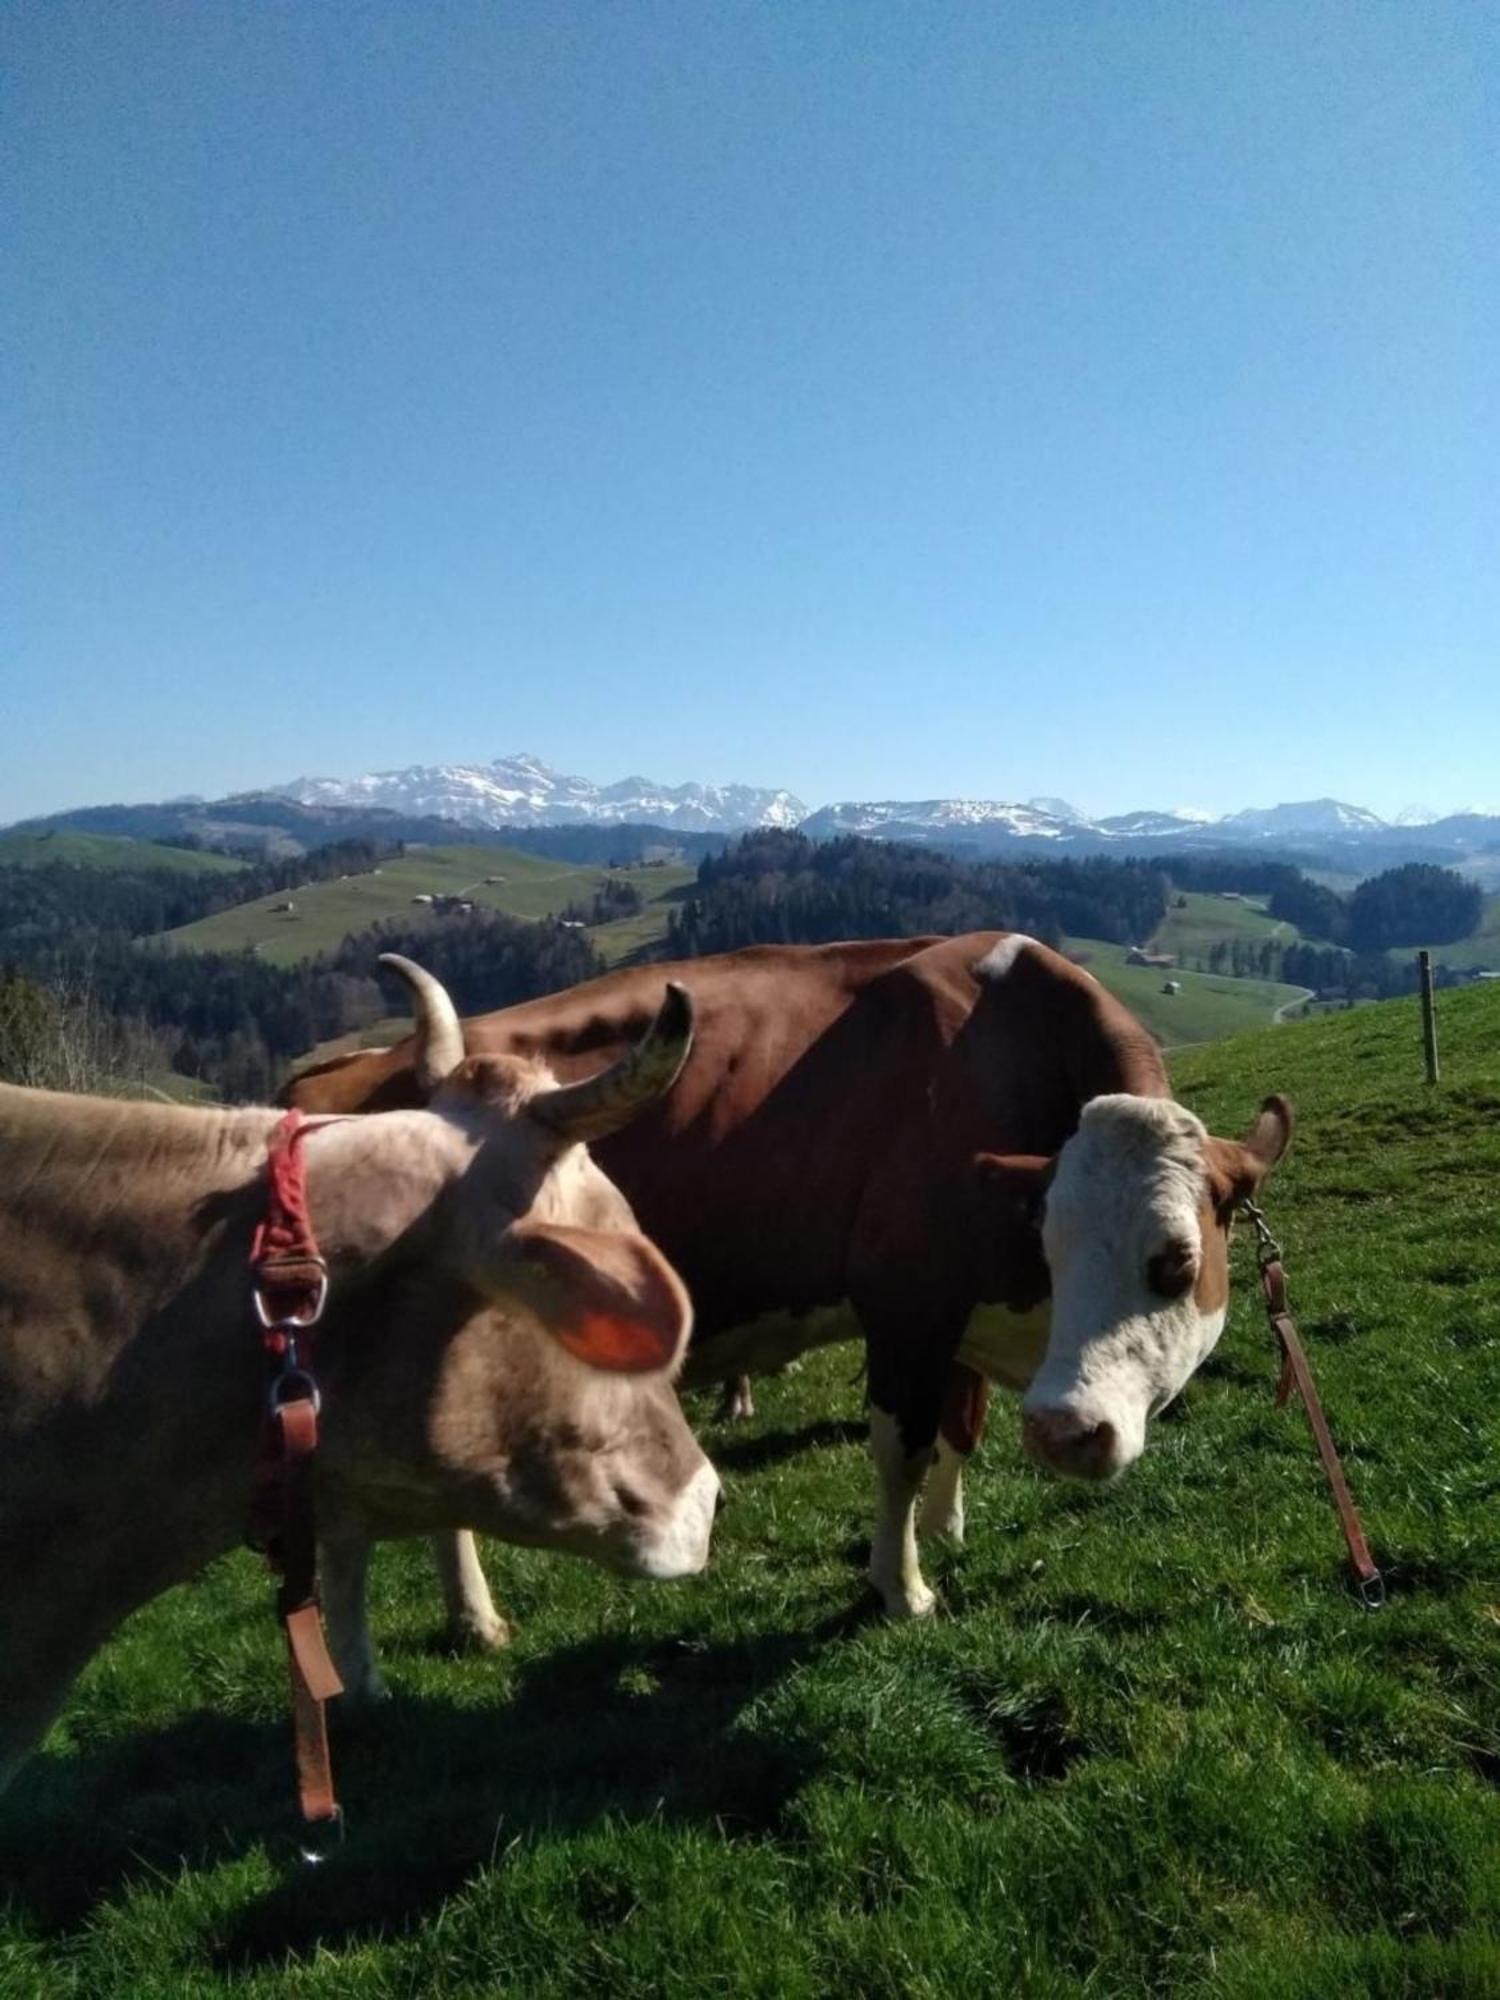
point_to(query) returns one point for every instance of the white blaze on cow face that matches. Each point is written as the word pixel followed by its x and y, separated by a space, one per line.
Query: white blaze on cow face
pixel 1139 1282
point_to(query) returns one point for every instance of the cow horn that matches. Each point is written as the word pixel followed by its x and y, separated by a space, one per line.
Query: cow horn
pixel 601 1104
pixel 439 1032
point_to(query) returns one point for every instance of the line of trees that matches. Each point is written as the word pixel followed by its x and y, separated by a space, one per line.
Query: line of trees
pixel 782 888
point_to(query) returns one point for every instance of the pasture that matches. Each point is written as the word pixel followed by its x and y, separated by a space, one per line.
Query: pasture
pixel 530 886
pixel 50 845
pixel 1209 1007
pixel 1203 921
pixel 1150 1744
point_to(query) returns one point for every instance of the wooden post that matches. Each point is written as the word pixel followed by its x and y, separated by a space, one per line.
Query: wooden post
pixel 1429 1015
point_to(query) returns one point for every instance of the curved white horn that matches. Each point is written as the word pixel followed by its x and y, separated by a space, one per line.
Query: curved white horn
pixel 439 1032
pixel 601 1104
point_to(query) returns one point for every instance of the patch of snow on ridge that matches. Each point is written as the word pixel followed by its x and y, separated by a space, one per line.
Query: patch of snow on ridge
pixel 523 791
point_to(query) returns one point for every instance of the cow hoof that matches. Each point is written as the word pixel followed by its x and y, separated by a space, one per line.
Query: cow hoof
pixel 737 1403
pixel 899 1604
pixel 478 1635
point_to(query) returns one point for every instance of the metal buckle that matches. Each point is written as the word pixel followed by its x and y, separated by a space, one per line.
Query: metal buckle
pixel 1370 1590
pixel 275 1322
pixel 290 1383
pixel 314 1855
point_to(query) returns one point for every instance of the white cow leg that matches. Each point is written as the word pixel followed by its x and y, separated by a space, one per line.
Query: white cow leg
pixel 735 1401
pixel 474 1625
pixel 343 1562
pixel 943 1500
pixel 894 1568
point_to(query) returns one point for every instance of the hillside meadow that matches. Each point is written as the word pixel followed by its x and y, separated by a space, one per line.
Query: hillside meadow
pixel 1150 1745
pixel 494 878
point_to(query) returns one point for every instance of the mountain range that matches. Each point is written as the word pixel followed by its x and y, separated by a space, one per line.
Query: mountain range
pixel 433 802
pixel 523 791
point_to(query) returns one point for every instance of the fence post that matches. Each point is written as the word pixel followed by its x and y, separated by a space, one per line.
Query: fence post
pixel 1429 1016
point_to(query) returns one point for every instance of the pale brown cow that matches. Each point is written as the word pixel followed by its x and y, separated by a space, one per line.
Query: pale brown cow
pixel 966 1139
pixel 483 1272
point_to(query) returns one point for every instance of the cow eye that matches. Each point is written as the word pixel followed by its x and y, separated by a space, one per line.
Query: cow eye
pixel 1170 1272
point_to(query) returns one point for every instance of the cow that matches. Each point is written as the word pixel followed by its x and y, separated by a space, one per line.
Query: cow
pixel 966 1139
pixel 497 1352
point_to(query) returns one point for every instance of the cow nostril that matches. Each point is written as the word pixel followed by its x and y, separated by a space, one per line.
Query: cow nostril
pixel 1069 1443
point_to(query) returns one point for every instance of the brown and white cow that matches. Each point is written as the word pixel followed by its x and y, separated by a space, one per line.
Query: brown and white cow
pixel 497 1352
pixel 967 1139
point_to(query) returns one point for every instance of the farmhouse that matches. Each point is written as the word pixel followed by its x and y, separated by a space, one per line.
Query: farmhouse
pixel 1160 960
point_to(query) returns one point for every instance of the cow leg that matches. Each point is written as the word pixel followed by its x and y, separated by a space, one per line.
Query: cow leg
pixel 343 1562
pixel 736 1402
pixel 474 1625
pixel 894 1569
pixel 959 1431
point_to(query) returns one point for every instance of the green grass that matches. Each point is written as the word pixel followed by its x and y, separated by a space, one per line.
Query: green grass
pixel 1193 930
pixel 109 851
pixel 1150 1745
pixel 1210 1006
pixel 325 912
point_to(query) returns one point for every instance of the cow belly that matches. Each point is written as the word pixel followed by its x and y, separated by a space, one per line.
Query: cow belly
pixel 1005 1346
pixel 763 1345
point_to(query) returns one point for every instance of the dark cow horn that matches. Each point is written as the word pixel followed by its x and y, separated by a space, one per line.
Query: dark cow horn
pixel 440 1035
pixel 602 1104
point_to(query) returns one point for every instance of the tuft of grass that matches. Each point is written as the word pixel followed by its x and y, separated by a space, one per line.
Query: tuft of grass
pixel 1150 1745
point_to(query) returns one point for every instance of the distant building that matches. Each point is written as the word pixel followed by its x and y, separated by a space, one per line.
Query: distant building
pixel 1161 960
pixel 422 899
pixel 1172 986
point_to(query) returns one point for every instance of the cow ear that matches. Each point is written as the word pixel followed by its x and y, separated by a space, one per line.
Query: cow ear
pixel 608 1296
pixel 1020 1180
pixel 1236 1169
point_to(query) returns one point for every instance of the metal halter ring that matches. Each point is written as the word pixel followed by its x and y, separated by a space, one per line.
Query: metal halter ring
pixel 274 1321
pixel 291 1385
pixel 1266 1247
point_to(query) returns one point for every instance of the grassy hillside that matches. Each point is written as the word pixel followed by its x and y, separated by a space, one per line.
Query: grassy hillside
pixel 109 851
pixel 1209 1006
pixel 1203 921
pixel 1151 1745
pixel 529 885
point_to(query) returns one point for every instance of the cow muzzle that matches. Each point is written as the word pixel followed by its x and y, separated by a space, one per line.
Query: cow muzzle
pixel 681 1547
pixel 1076 1443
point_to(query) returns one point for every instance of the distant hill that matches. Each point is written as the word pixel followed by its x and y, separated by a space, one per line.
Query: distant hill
pixel 59 845
pixel 285 927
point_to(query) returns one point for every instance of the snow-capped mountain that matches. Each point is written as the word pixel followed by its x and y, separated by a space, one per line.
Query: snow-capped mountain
pixel 898 818
pixel 1312 816
pixel 523 791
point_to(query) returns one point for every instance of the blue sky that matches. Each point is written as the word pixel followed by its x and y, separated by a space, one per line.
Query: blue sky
pixel 874 399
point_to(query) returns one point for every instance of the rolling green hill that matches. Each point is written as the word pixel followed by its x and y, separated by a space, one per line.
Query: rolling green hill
pixel 496 878
pixel 108 851
pixel 1150 1745
pixel 1206 920
pixel 1209 1006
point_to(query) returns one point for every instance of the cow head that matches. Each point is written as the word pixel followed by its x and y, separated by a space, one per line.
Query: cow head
pixel 1137 1209
pixel 519 1379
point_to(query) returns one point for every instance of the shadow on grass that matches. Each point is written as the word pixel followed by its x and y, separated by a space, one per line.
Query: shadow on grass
pixel 752 1454
pixel 613 1729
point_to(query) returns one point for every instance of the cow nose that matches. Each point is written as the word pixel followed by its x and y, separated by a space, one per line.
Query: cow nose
pixel 1070 1444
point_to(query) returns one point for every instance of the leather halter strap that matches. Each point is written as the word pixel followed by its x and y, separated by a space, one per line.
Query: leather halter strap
pixel 290 1282
pixel 1296 1371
